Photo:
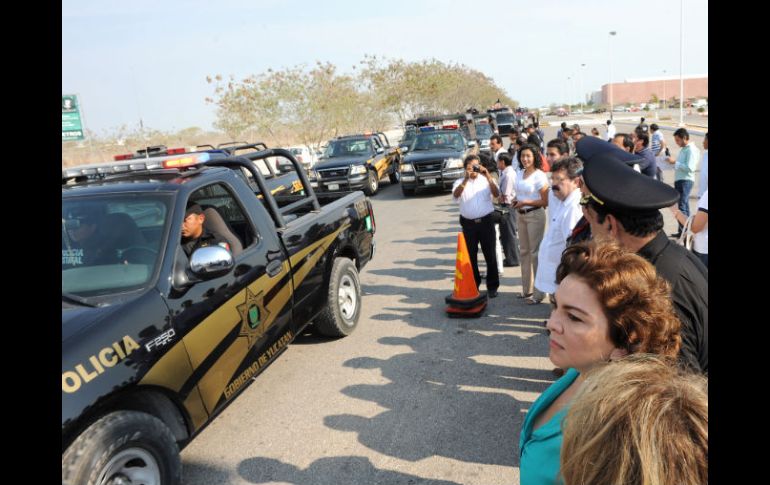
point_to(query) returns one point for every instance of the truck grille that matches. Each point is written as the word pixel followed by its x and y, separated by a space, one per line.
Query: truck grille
pixel 328 173
pixel 429 166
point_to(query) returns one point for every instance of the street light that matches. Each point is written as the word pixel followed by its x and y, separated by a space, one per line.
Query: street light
pixel 582 94
pixel 612 33
pixel 681 62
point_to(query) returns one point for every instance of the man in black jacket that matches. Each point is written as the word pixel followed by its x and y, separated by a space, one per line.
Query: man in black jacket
pixel 623 204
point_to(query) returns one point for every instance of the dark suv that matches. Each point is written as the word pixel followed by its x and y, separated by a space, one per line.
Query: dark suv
pixel 435 160
pixel 356 162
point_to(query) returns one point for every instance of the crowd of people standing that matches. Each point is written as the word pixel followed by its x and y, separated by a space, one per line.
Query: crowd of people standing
pixel 585 225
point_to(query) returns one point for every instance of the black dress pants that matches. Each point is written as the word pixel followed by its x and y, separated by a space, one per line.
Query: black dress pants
pixel 482 232
pixel 509 238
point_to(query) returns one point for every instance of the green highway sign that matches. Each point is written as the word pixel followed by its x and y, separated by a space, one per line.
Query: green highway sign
pixel 71 127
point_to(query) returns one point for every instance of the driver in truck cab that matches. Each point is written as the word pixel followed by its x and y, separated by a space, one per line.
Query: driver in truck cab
pixel 195 235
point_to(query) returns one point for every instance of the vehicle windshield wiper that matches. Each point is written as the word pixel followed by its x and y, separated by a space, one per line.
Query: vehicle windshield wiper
pixel 78 300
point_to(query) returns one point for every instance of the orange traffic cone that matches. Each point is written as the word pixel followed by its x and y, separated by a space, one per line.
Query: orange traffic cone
pixel 465 300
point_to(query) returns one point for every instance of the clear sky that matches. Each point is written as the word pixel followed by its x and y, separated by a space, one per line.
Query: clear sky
pixel 149 59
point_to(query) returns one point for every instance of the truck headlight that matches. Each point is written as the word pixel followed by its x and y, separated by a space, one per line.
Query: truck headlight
pixel 357 169
pixel 453 163
pixel 406 167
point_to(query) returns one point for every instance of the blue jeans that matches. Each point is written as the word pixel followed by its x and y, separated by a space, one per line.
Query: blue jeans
pixel 683 187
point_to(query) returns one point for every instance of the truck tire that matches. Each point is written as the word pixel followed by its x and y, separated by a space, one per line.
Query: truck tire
pixel 372 183
pixel 343 302
pixel 407 192
pixel 134 446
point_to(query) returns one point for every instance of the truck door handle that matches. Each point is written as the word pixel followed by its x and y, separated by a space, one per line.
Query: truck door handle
pixel 274 267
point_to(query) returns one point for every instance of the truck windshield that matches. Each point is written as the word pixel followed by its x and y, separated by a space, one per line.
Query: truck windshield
pixel 504 118
pixel 348 148
pixel 439 141
pixel 111 244
pixel 483 131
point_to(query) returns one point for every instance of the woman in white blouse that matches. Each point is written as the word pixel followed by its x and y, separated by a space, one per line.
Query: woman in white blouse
pixel 531 201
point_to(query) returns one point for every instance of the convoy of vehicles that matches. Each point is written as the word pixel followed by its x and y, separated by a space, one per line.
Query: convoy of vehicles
pixel 156 343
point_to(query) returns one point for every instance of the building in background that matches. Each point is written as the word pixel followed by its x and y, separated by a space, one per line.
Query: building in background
pixel 664 88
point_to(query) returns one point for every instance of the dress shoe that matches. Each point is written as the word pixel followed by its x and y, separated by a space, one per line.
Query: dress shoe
pixel 508 264
pixel 675 235
pixel 492 293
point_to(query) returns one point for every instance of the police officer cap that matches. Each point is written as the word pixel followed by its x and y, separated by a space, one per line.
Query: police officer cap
pixel 590 146
pixel 619 188
pixel 193 209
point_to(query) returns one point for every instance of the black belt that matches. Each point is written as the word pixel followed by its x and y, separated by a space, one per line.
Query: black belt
pixel 527 210
pixel 477 221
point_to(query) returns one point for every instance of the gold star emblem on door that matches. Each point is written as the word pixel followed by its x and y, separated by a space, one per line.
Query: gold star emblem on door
pixel 253 317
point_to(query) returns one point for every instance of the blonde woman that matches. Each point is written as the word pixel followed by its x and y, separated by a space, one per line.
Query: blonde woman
pixel 638 421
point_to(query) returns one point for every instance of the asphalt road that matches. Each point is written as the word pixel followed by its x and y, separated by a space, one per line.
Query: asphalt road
pixel 412 396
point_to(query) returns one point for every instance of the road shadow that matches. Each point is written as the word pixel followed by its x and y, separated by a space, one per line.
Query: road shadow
pixel 340 470
pixel 449 396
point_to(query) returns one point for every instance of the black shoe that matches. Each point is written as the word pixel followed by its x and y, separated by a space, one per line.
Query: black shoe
pixel 492 293
pixel 675 235
pixel 508 264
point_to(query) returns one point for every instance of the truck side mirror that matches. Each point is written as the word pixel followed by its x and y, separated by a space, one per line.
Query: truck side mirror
pixel 380 150
pixel 211 262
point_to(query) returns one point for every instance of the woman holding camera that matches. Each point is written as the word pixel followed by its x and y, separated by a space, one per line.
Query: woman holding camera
pixel 531 200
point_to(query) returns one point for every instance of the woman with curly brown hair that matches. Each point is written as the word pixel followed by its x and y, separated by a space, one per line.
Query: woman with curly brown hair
pixel 638 421
pixel 609 303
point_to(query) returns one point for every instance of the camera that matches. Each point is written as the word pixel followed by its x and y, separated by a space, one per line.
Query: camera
pixel 476 169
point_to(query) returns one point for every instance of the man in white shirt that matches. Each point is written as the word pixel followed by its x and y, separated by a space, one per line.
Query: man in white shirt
pixel 474 193
pixel 508 237
pixel 496 146
pixel 610 130
pixel 565 176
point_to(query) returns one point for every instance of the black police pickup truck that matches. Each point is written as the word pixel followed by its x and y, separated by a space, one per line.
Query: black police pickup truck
pixel 156 343
pixel 356 162
pixel 435 160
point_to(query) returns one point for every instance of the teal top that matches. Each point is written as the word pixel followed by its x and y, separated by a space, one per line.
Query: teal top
pixel 539 450
pixel 687 163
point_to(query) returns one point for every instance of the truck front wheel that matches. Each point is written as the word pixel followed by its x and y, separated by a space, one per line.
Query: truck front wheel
pixel 372 183
pixel 343 304
pixel 123 447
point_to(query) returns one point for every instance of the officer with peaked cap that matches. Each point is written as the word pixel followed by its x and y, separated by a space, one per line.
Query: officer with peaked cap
pixel 624 205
